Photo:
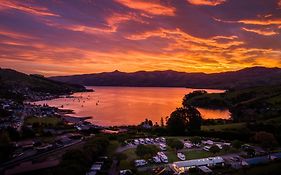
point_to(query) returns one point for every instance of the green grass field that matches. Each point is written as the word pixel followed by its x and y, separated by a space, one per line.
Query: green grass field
pixel 268 169
pixel 172 156
pixel 224 127
pixel 43 121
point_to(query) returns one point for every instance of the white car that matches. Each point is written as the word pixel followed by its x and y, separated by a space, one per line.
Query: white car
pixel 188 145
pixel 157 140
pixel 163 147
pixel 219 145
pixel 206 148
pixel 136 142
pixel 140 162
pixel 163 157
pixel 147 141
pixel 181 156
pixel 142 141
pixel 162 139
pixel 124 172
pixel 156 159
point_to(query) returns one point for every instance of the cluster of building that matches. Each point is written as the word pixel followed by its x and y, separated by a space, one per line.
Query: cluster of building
pixel 17 112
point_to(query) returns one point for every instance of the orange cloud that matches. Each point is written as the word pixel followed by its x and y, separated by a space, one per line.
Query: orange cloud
pixel 206 2
pixel 112 24
pixel 260 32
pixel 150 7
pixel 41 11
pixel 15 35
pixel 261 22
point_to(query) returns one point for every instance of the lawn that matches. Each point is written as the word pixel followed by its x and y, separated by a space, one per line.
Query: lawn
pixel 224 127
pixel 53 121
pixel 112 148
pixel 131 154
pixel 272 168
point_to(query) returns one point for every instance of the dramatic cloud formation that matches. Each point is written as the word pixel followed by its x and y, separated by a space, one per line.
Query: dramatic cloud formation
pixel 60 37
pixel 206 2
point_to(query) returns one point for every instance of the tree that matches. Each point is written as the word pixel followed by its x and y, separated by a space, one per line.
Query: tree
pixel 187 97
pixel 73 162
pixel 175 144
pixel 195 140
pixel 162 122
pixel 184 119
pixel 5 147
pixel 266 140
pixel 146 151
pixel 214 149
pixel 236 144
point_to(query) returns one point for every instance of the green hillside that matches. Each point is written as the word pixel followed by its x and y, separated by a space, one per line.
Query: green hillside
pixel 13 82
pixel 244 104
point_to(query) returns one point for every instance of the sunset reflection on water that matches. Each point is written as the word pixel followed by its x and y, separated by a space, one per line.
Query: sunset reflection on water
pixel 129 105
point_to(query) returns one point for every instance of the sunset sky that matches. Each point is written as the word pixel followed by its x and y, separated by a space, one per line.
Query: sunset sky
pixel 61 37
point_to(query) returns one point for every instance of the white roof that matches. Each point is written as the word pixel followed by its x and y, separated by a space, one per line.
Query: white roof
pixel 96 167
pixel 199 162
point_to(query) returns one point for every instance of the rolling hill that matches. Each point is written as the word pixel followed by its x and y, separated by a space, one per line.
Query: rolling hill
pixel 13 83
pixel 248 77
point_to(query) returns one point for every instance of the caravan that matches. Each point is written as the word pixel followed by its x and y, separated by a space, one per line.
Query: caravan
pixel 163 157
pixel 163 146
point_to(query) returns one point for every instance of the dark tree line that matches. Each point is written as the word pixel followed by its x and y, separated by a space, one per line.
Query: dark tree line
pixel 184 119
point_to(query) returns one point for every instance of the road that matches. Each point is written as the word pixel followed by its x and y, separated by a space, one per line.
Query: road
pixel 20 160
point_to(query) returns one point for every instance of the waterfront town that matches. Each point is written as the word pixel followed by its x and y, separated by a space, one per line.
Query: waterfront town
pixel 140 87
pixel 40 137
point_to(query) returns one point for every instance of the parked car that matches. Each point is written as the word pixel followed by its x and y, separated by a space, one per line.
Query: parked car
pixel 140 162
pixel 136 142
pixel 188 145
pixel 156 159
pixel 147 141
pixel 207 148
pixel 162 139
pixel 125 172
pixel 163 157
pixel 141 141
pixel 163 146
pixel 181 156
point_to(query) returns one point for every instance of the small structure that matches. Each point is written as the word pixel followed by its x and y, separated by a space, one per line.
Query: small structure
pixel 183 166
pixel 205 170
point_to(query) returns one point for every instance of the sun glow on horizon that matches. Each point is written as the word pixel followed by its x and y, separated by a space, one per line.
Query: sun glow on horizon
pixel 45 37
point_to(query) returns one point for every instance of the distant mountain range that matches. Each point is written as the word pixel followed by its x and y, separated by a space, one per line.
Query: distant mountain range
pixel 248 77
